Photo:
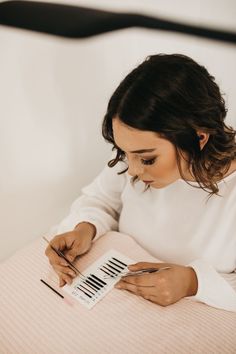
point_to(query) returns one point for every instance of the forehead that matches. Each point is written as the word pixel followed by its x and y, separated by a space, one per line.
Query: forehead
pixel 128 138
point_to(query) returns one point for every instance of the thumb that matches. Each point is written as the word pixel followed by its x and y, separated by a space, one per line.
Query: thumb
pixel 137 266
pixel 141 265
pixel 73 253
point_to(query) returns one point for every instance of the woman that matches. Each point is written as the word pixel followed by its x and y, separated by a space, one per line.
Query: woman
pixel 166 123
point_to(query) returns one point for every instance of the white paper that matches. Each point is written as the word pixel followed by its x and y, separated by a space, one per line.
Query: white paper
pixel 88 291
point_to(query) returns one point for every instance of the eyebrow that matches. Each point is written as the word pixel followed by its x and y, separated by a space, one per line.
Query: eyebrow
pixel 142 151
pixel 138 151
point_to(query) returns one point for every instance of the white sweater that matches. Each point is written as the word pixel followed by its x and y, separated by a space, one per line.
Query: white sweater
pixel 176 224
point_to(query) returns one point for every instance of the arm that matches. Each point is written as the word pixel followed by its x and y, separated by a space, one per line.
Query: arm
pixel 214 289
pixel 99 204
pixel 169 286
pixel 88 227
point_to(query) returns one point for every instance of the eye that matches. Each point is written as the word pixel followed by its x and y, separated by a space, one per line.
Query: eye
pixel 148 162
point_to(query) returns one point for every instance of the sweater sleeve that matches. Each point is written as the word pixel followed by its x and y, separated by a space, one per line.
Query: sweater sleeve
pixel 214 289
pixel 99 203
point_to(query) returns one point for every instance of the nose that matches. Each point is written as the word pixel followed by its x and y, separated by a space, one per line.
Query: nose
pixel 135 169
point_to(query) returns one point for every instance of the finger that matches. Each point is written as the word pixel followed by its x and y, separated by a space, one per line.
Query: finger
pixel 60 242
pixel 57 243
pixel 75 250
pixel 145 280
pixel 61 281
pixel 151 298
pixel 64 279
pixel 65 270
pixel 54 258
pixel 139 266
pixel 144 265
pixel 130 287
pixel 147 293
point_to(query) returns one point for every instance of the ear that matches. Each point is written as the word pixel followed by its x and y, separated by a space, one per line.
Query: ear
pixel 203 138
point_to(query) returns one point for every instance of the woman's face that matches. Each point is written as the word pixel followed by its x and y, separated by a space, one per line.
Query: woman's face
pixel 158 165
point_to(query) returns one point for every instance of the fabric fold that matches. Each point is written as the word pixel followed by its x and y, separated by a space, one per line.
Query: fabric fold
pixel 213 288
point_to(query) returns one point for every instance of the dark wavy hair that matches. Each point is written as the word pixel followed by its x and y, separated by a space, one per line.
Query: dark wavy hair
pixel 174 96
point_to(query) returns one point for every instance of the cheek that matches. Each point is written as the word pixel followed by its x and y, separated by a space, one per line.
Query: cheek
pixel 163 167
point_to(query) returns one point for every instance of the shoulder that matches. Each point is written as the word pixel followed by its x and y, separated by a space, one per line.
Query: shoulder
pixel 232 168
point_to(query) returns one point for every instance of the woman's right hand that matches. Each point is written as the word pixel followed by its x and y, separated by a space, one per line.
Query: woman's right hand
pixel 71 244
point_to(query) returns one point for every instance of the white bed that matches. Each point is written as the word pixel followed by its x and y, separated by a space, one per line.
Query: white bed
pixel 34 320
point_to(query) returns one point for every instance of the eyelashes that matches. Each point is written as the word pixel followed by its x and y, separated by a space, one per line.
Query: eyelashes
pixel 122 157
pixel 148 162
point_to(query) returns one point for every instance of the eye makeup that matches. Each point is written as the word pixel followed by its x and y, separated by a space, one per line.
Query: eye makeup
pixel 142 151
pixel 148 162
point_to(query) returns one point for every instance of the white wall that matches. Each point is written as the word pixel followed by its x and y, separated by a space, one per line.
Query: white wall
pixel 53 95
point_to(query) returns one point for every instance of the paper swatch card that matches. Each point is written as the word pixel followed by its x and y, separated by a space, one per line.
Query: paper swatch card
pixel 99 278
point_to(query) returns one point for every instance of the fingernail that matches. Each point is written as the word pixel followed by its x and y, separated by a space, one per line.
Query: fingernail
pixel 64 263
pixel 118 286
pixel 61 283
pixel 131 267
pixel 72 274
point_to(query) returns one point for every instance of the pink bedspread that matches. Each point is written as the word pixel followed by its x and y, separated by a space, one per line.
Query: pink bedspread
pixel 34 320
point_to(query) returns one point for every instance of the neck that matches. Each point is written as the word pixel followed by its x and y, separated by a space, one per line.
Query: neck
pixel 190 177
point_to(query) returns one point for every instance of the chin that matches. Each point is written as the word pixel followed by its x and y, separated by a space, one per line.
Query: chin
pixel 159 185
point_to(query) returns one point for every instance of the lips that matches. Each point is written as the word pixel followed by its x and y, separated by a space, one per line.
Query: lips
pixel 147 181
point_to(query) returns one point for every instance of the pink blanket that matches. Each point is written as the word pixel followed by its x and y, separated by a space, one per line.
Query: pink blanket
pixel 34 320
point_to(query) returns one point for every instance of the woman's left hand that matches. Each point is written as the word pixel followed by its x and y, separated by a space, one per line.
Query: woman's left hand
pixel 163 288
